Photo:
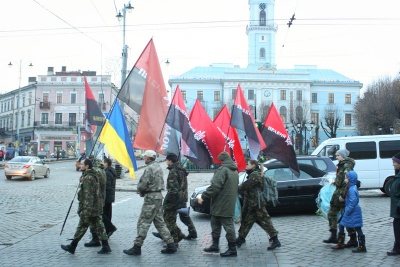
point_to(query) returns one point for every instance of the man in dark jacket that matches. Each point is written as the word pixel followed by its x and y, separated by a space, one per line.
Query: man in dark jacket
pixel 223 192
pixel 394 193
pixel 111 174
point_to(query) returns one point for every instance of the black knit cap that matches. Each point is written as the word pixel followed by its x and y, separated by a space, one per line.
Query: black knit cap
pixel 172 157
pixel 396 158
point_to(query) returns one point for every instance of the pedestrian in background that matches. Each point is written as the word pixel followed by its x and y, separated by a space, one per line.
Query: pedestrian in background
pixel 90 209
pixel 150 185
pixel 394 193
pixel 254 205
pixel 223 192
pixel 352 215
pixel 337 204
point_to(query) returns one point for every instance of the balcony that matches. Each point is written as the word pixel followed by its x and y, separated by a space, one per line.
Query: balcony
pixel 45 105
pixel 102 106
pixel 54 125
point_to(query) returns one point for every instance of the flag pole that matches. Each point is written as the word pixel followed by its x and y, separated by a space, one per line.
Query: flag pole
pixel 70 206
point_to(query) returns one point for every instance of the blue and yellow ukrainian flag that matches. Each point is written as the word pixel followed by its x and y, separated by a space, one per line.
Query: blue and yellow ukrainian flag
pixel 116 138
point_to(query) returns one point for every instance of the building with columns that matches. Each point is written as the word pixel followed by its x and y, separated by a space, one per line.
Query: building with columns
pixel 304 94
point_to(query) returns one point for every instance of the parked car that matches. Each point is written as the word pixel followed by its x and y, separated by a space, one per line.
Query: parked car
pixel 26 166
pixel 295 193
pixel 42 154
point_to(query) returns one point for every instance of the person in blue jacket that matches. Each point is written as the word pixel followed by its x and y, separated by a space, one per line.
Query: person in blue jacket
pixel 352 215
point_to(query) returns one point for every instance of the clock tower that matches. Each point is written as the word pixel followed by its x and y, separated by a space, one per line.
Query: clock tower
pixel 261 33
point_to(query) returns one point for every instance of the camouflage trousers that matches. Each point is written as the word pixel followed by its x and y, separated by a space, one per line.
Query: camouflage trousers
pixel 170 220
pixel 95 222
pixel 227 222
pixel 152 212
pixel 333 219
pixel 185 218
pixel 259 216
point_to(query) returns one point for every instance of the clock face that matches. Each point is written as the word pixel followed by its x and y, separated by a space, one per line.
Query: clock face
pixel 267 93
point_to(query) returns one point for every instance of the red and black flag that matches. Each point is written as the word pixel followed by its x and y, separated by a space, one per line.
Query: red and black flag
pixel 178 119
pixel 243 119
pixel 229 133
pixel 207 131
pixel 279 144
pixel 144 91
pixel 94 119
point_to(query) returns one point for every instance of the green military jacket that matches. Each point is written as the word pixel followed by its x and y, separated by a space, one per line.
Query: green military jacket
pixel 343 167
pixel 90 196
pixel 174 198
pixel 251 191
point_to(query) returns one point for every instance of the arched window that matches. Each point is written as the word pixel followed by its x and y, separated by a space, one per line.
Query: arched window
pixel 283 114
pixel 263 18
pixel 262 53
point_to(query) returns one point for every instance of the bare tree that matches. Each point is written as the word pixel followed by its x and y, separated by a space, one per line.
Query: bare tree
pixel 299 114
pixel 332 119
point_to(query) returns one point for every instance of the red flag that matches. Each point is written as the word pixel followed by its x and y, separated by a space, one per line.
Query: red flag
pixel 279 144
pixel 222 122
pixel 243 119
pixel 144 91
pixel 178 119
pixel 207 131
pixel 94 118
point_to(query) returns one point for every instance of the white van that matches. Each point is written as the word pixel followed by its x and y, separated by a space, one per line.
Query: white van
pixel 372 154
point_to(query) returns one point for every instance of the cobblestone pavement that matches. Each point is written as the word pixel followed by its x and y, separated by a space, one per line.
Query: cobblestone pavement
pixel 24 243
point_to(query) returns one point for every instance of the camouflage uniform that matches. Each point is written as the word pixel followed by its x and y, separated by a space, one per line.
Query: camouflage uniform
pixel 150 185
pixel 98 168
pixel 173 199
pixel 90 206
pixel 185 218
pixel 336 205
pixel 255 206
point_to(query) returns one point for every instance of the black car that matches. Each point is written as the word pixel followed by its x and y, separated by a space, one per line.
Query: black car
pixel 295 193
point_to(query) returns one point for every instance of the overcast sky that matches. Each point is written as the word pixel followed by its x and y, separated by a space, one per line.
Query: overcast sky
pixel 357 38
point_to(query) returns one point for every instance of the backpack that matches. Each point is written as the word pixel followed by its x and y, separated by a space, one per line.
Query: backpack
pixel 270 191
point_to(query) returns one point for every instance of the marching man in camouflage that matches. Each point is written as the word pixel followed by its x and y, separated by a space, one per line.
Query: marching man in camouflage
pixel 223 193
pixel 90 209
pixel 174 198
pixel 254 206
pixel 150 185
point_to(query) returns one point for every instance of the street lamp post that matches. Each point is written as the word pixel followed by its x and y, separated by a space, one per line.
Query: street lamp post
pixel 122 16
pixel 302 126
pixel 18 103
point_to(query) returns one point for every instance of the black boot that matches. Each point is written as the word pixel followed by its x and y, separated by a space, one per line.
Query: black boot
pixel 180 237
pixel 340 244
pixel 231 252
pixel 135 250
pixel 71 247
pixel 239 241
pixel 352 242
pixel 171 248
pixel 333 237
pixel 361 245
pixel 275 243
pixel 214 247
pixel 157 234
pixel 95 242
pixel 106 247
pixel 192 235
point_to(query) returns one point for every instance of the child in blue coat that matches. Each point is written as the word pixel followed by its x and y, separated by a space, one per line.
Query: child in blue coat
pixel 352 215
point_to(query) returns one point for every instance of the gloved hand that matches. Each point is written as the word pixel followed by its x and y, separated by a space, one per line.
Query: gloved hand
pixel 398 209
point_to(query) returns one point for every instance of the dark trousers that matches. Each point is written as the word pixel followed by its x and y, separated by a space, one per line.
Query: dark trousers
pixel 396 230
pixel 107 215
pixel 227 222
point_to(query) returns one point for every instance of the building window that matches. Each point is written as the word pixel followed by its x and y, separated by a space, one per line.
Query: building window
pixel 348 99
pixel 250 94
pixel 30 99
pixel 217 96
pixel 283 114
pixel 101 97
pixel 234 93
pixel 16 120
pixel 73 98
pixel 45 97
pixel 2 107
pixel 200 95
pixel 315 118
pixel 299 95
pixel 59 98
pixel 183 94
pixel 314 98
pixel 29 117
pixel 262 53
pixel 347 119
pixel 215 113
pixel 283 94
pixel 58 118
pixel 17 105
pixel 72 119
pixel 331 98
pixel 22 118
pixel 263 18
pixel 23 100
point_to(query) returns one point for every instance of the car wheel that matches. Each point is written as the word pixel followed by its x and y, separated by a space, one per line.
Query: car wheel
pixel 32 177
pixel 47 173
pixel 8 177
pixel 387 184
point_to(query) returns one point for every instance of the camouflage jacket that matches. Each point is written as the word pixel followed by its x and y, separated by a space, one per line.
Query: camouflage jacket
pixel 151 180
pixel 98 167
pixel 250 190
pixel 89 195
pixel 343 167
pixel 174 198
